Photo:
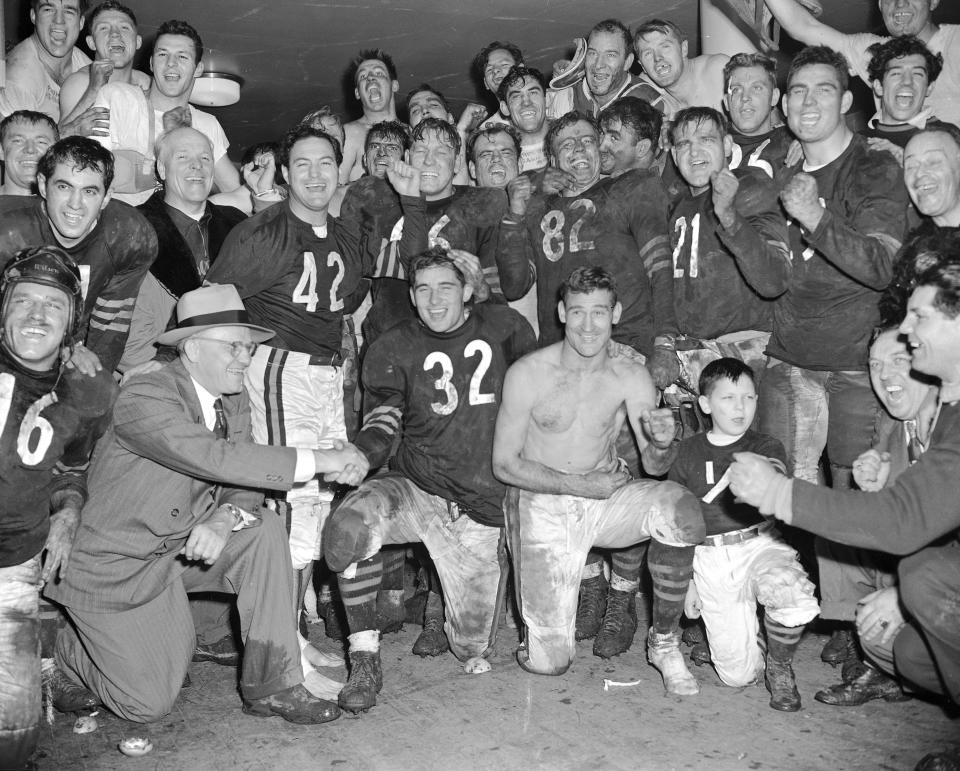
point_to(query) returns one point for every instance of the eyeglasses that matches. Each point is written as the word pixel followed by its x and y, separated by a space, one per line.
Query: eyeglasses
pixel 236 347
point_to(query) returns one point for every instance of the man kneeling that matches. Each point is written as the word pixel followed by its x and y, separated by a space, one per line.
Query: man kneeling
pixel 435 381
pixel 563 408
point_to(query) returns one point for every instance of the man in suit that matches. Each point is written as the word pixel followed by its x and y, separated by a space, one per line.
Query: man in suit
pixel 174 509
pixel 190 231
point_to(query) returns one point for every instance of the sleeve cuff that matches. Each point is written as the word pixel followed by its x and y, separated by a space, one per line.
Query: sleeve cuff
pixel 306 468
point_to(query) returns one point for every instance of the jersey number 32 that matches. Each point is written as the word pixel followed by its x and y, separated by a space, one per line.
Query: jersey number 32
pixel 444 382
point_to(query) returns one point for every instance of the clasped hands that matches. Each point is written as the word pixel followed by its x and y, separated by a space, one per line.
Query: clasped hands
pixel 353 464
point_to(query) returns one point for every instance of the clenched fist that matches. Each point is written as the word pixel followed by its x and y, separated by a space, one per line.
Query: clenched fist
pixel 801 199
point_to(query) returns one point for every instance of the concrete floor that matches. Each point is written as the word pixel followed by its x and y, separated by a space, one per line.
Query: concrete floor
pixel 431 715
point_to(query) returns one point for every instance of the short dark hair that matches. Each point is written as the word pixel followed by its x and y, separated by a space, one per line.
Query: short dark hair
pixel 177 27
pixel 480 60
pixel 898 47
pixel 305 131
pixel 742 60
pixel 372 54
pixel 517 74
pixel 697 116
pixel 643 118
pixel 434 257
pixel 489 132
pixel 614 27
pixel 821 55
pixel 28 116
pixel 658 25
pixel 589 279
pixel 393 129
pixel 111 5
pixel 79 153
pixel 82 4
pixel 727 368
pixel 565 121
pixel 926 250
pixel 944 276
pixel 419 90
pixel 446 130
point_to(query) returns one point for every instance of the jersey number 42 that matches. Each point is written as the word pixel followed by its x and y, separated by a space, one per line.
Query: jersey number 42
pixel 305 293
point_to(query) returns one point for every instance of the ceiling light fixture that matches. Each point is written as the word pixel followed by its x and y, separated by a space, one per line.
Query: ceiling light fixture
pixel 216 89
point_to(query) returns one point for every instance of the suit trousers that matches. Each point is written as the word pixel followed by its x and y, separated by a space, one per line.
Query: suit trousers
pixel 135 659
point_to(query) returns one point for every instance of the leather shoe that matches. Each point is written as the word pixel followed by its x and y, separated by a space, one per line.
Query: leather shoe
pixel 872 684
pixel 295 705
pixel 840 647
pixel 68 696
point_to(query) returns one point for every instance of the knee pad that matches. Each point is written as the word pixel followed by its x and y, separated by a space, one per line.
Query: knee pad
pixel 687 516
pixel 346 538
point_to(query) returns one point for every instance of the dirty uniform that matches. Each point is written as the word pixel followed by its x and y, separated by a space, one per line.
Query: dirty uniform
pixel 724 280
pixel 50 423
pixel 619 224
pixel 742 562
pixel 441 393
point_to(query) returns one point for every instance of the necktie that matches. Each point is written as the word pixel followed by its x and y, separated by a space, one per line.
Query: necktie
pixel 914 448
pixel 220 425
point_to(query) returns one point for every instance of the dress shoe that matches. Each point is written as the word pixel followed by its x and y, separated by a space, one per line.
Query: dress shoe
pixel 295 705
pixel 872 684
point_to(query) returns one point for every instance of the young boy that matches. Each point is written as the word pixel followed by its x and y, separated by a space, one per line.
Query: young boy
pixel 743 560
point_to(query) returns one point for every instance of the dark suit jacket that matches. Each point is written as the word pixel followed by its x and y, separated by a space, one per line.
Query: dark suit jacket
pixel 175 267
pixel 156 474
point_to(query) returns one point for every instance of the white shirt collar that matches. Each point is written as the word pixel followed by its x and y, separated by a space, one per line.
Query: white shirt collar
pixel 917 121
pixel 206 404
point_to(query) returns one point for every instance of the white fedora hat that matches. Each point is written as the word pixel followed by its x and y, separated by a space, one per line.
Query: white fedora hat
pixel 216 305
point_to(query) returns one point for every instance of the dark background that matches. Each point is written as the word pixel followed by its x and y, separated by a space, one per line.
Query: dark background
pixel 293 54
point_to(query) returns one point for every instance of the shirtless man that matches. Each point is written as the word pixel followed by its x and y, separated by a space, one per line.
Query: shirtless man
pixel 114 40
pixel 661 49
pixel 561 413
pixel 375 85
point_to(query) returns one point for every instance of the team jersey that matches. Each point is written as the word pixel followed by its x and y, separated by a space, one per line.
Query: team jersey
pixel 899 133
pixel 721 278
pixel 50 421
pixel 824 320
pixel 113 259
pixel 766 152
pixel 392 229
pixel 619 224
pixel 294 278
pixel 441 393
pixel 700 465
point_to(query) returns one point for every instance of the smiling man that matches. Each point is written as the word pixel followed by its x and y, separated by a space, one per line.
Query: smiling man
pixel 44 486
pixel 24 137
pixel 375 86
pixel 37 67
pixel 680 82
pixel 916 517
pixel 523 97
pixel 609 56
pixel 113 244
pixel 114 40
pixel 931 170
pixel 631 136
pixel 297 271
pixel 901 18
pixel 556 446
pixel 440 489
pixel 902 72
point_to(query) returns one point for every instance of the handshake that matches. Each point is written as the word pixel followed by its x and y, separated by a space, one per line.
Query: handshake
pixel 343 463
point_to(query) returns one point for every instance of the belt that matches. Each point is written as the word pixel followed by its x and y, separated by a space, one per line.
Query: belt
pixel 737 536
pixel 327 360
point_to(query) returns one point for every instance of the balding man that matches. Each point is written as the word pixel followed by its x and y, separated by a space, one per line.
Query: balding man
pixel 190 231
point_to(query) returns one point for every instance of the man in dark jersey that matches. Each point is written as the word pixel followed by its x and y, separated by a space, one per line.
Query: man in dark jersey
pixel 618 222
pixel 902 73
pixel 435 382
pixel 750 98
pixel 631 136
pixel 51 418
pixel 296 270
pixel 722 219
pixel 112 244
pixel 847 206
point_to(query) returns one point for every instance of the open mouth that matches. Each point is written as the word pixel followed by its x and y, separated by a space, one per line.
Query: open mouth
pixel 34 332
